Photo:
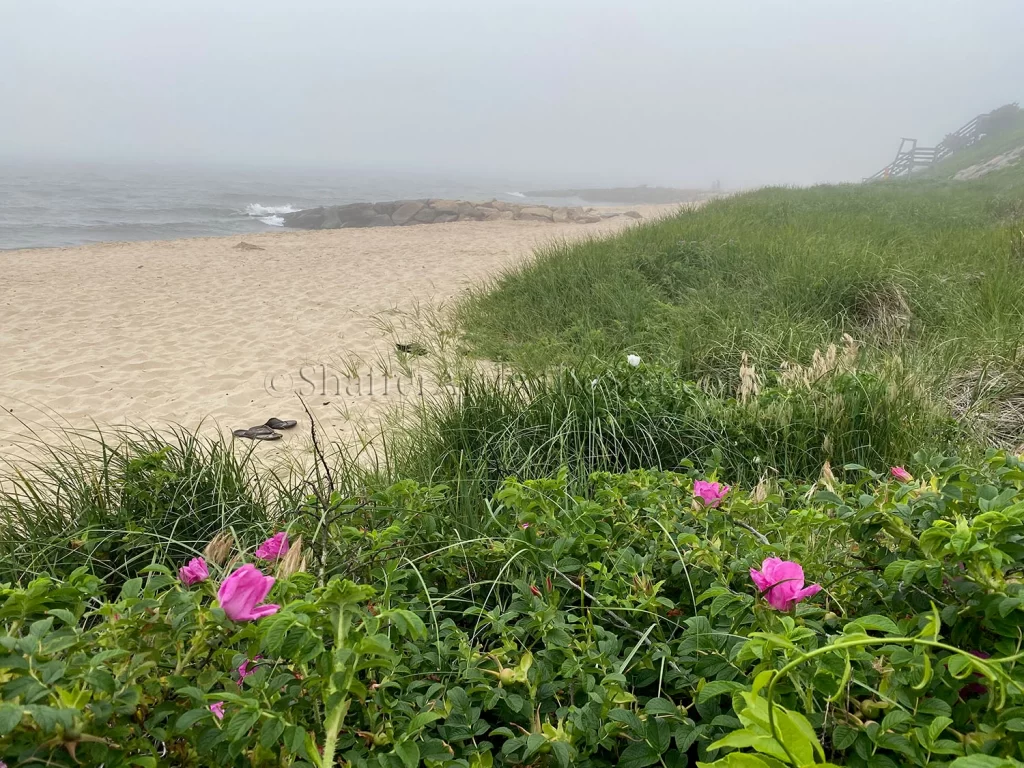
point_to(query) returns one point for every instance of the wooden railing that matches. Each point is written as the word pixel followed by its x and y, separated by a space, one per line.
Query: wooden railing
pixel 910 157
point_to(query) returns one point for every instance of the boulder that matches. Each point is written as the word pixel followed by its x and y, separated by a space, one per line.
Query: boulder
pixel 467 211
pixel 445 206
pixel 425 216
pixel 444 218
pixel 633 214
pixel 331 219
pixel 537 211
pixel 404 213
pixel 560 215
pixel 381 220
pixel 588 218
pixel 357 215
pixel 311 218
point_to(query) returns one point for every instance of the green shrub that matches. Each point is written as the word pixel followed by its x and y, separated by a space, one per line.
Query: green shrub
pixel 613 625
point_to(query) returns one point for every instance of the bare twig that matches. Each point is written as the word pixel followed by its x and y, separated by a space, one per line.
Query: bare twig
pixel 317 450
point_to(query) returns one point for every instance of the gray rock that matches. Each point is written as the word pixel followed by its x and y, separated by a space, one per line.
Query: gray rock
pixel 538 212
pixel 444 218
pixel 382 220
pixel 331 219
pixel 356 215
pixel 404 213
pixel 560 215
pixel 425 216
pixel 445 206
pixel 310 218
pixel 633 214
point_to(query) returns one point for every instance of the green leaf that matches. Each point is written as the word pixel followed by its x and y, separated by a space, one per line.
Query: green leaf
pixel 937 726
pixel 749 738
pixel 798 736
pixel 423 719
pixel 1015 724
pixel 843 736
pixel 131 588
pixel 66 616
pixel 534 742
pixel 874 622
pixel 562 753
pixel 270 733
pixel 240 724
pixel 638 755
pixel 408 753
pixel 190 718
pixel 737 760
pixel 717 688
pixel 661 707
pixel 985 761
pixel 10 718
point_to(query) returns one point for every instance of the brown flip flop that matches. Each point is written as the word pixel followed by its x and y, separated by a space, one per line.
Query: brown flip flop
pixel 276 423
pixel 261 432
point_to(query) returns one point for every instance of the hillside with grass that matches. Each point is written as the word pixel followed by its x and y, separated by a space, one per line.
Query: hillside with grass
pixel 738 488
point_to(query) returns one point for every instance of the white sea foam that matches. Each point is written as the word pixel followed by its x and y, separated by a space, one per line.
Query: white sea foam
pixel 255 209
pixel 517 194
pixel 274 221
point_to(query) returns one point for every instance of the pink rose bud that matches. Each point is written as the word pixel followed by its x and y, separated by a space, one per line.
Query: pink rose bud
pixel 274 547
pixel 242 592
pixel 782 581
pixel 711 494
pixel 901 474
pixel 194 572
pixel 218 709
pixel 244 669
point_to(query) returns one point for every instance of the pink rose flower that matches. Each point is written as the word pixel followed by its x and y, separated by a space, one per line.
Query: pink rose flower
pixel 782 581
pixel 274 547
pixel 901 474
pixel 218 709
pixel 711 494
pixel 194 572
pixel 244 671
pixel 242 592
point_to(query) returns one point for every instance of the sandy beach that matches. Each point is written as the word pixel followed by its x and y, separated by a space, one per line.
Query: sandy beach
pixel 199 331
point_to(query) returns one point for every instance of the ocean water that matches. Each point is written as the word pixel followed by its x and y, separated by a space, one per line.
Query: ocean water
pixel 48 205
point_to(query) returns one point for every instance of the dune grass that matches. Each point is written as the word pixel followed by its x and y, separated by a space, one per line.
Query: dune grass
pixel 926 274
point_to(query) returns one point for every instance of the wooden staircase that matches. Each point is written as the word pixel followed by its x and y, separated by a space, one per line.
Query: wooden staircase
pixel 910 157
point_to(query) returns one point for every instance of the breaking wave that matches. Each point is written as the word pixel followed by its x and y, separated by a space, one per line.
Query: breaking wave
pixel 274 221
pixel 270 211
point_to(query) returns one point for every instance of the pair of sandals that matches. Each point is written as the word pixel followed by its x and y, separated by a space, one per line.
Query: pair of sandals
pixel 266 431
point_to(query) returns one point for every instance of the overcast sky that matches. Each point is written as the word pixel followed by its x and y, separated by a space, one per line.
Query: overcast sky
pixel 625 92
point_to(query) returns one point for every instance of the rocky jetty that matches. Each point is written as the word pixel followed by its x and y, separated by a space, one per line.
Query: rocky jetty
pixel 400 213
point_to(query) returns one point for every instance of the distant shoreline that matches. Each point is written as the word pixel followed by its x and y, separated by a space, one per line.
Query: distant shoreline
pixel 629 195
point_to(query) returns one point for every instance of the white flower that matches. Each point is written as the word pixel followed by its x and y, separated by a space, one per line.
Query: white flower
pixel 593 384
pixel 633 360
